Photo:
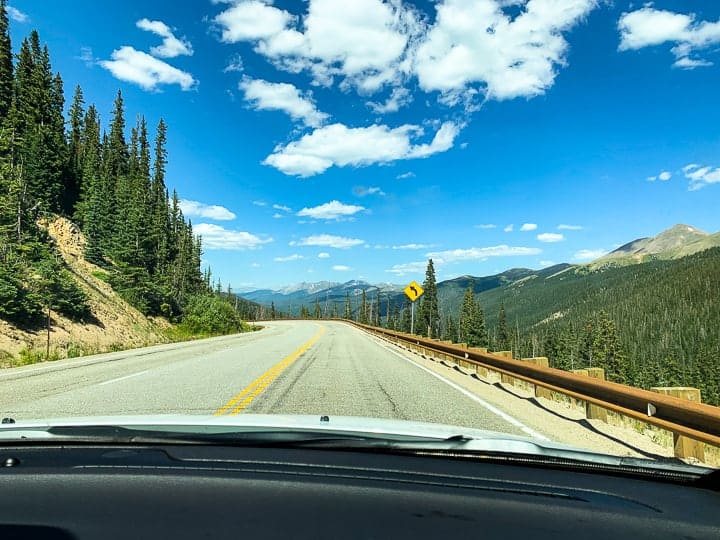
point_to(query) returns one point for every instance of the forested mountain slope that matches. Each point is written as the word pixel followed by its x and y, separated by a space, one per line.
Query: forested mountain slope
pixel 111 186
pixel 662 318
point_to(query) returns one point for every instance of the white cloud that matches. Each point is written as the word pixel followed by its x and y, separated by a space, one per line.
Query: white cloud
pixel 16 15
pixel 282 207
pixel 403 176
pixel 259 203
pixel 486 226
pixel 217 237
pixel 700 176
pixel 508 228
pixel 255 265
pixel 408 268
pixel 569 227
pixel 339 145
pixel 341 268
pixel 397 99
pixel 86 55
pixel 267 96
pixel 331 210
pixel 589 254
pixel 550 237
pixel 146 71
pixel 278 215
pixel 664 176
pixel 360 41
pixel 171 45
pixel 475 253
pixel 234 65
pixel 293 257
pixel 413 246
pixel 362 191
pixel 647 27
pixel 528 227
pixel 475 47
pixel 686 62
pixel 328 240
pixel 546 263
pixel 198 209
pixel 251 21
pixel 442 141
pixel 323 255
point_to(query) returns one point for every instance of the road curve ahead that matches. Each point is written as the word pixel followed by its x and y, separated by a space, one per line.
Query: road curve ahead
pixel 290 367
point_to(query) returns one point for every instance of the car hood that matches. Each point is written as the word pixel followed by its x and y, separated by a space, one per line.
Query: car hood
pixel 403 431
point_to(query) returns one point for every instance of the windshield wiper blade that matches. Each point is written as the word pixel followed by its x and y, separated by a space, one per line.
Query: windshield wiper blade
pixel 263 438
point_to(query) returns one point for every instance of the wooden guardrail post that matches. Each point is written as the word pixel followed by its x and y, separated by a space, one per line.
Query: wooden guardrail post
pixel 544 362
pixel 684 446
pixel 592 411
pixel 503 377
pixel 480 371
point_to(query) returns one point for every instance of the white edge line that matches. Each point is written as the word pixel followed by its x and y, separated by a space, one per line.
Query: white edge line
pixel 505 416
pixel 123 378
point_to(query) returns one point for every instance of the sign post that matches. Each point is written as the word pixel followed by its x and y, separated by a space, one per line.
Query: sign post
pixel 413 291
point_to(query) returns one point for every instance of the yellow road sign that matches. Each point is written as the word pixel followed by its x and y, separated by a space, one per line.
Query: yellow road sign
pixel 413 291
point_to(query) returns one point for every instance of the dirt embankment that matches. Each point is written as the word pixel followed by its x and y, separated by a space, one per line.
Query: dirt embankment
pixel 118 325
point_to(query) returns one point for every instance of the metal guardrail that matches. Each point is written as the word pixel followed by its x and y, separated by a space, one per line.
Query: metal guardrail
pixel 697 421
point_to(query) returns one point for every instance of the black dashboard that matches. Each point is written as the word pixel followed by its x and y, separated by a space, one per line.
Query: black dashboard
pixel 193 491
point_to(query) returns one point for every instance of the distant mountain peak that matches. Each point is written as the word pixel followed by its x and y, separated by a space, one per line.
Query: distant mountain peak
pixel 677 241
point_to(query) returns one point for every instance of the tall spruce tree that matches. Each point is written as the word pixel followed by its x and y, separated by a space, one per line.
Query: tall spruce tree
pixel 159 226
pixel 6 64
pixel 428 315
pixel 75 151
pixel 503 338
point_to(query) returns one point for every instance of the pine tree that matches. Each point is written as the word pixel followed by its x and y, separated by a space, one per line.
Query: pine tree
pixel 406 319
pixel 472 327
pixel 316 309
pixel 37 124
pixel 273 315
pixel 394 322
pixel 6 64
pixel 75 150
pixel 117 159
pixel 428 316
pixel 159 242
pixel 480 331
pixel 362 317
pixel 467 314
pixel 347 313
pixel 450 330
pixel 503 338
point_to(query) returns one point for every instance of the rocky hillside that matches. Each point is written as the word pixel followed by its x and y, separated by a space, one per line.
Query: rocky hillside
pixel 115 323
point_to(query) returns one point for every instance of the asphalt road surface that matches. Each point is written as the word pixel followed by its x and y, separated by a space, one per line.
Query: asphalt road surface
pixel 290 367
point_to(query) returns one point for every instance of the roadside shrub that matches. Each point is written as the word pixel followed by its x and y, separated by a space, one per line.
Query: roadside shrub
pixel 208 314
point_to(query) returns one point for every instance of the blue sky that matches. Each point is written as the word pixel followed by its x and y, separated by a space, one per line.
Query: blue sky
pixel 329 140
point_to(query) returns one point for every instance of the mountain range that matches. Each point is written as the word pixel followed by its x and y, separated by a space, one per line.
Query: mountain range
pixel 676 242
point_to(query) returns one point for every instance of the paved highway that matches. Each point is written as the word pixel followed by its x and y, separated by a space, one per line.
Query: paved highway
pixel 294 367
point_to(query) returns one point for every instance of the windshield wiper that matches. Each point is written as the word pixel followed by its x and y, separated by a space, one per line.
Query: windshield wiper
pixel 253 438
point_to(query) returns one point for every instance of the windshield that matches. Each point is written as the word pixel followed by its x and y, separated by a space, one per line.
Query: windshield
pixel 499 216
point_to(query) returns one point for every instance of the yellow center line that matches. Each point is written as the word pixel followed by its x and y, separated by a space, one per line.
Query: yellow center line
pixel 255 388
